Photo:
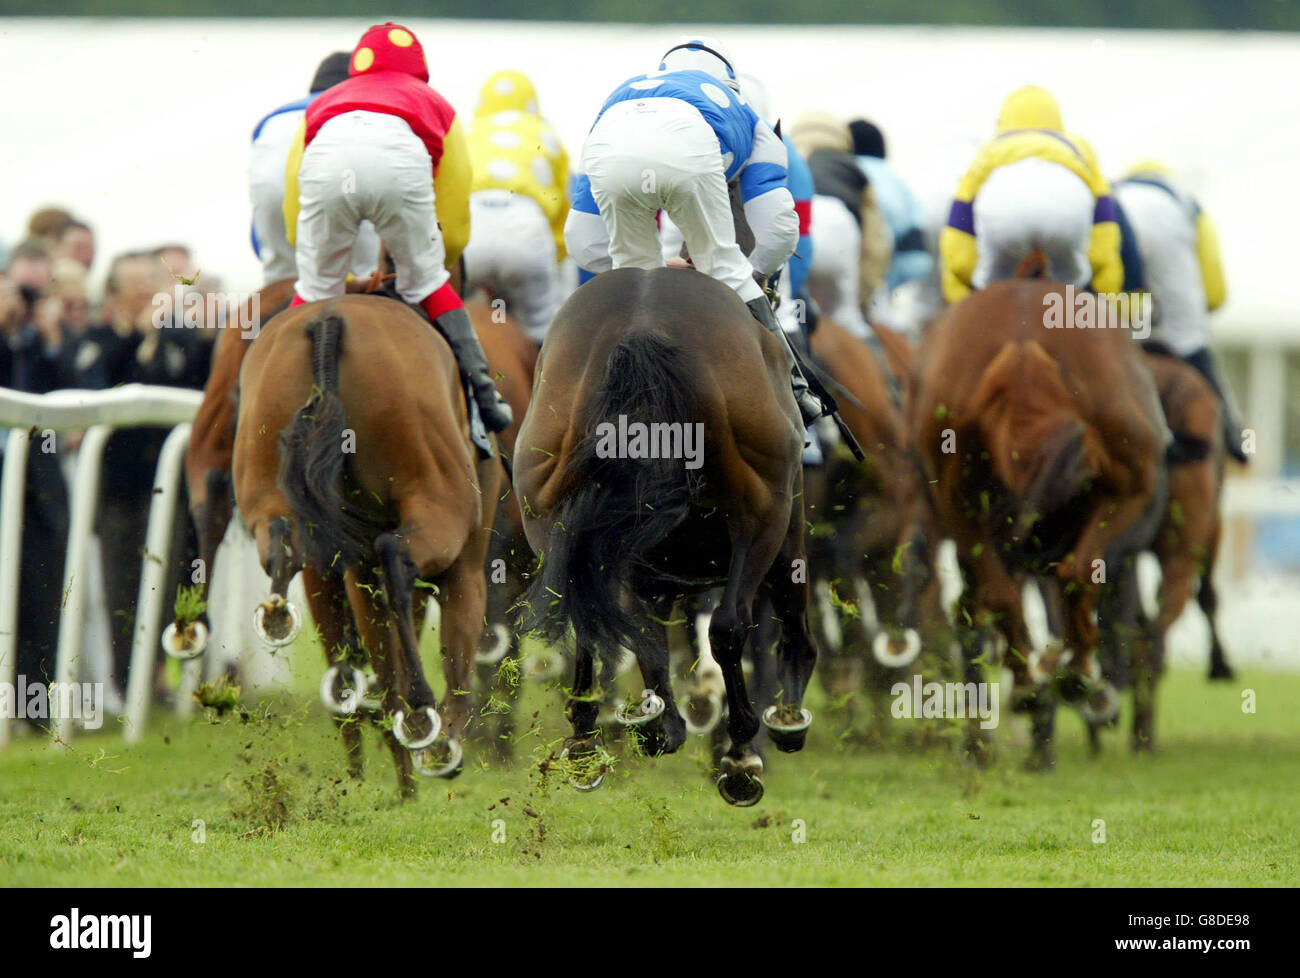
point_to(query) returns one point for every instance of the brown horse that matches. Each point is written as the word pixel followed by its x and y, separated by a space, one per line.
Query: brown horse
pixel 352 458
pixel 1043 452
pixel 872 532
pixel 627 516
pixel 1187 544
pixel 513 358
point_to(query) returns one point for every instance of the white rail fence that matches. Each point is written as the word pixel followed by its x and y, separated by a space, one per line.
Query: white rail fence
pixel 99 413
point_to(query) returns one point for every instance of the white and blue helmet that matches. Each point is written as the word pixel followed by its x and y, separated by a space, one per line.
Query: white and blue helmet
pixel 701 54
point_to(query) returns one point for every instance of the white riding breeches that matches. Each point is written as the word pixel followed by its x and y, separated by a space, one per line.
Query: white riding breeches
pixel 659 153
pixel 1166 238
pixel 833 275
pixel 1033 203
pixel 512 250
pixel 367 166
pixel 269 156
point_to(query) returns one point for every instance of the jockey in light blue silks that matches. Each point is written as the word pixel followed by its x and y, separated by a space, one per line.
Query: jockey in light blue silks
pixel 671 140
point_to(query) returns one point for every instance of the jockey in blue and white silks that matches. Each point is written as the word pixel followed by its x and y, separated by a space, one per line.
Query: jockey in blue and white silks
pixel 672 140
pixel 272 138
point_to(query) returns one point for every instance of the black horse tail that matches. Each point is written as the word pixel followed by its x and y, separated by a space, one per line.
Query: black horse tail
pixel 616 511
pixel 334 533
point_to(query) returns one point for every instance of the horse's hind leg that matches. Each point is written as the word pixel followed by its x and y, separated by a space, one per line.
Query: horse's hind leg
pixel 276 621
pixel 754 545
pixel 1208 598
pixel 659 724
pixel 373 621
pixel 327 597
pixel 787 723
pixel 418 724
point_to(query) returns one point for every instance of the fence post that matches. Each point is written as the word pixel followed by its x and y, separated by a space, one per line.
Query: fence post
pixel 81 525
pixel 153 576
pixel 13 489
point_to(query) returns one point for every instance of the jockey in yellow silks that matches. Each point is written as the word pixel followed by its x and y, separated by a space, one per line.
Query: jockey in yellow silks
pixel 1031 186
pixel 518 203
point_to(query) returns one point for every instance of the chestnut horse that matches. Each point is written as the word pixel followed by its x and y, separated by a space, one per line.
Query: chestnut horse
pixel 353 459
pixel 622 531
pixel 1043 452
pixel 872 533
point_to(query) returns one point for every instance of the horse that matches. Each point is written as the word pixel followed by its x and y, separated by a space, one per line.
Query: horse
pixel 512 357
pixel 211 447
pixel 872 527
pixel 1042 449
pixel 624 529
pixel 1187 542
pixel 353 463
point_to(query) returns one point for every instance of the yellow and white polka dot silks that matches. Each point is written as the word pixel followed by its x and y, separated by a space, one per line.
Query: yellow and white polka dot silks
pixel 512 148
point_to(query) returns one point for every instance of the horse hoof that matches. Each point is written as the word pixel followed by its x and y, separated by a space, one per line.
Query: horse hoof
pixel 584 779
pixel 650 709
pixel 787 733
pixel 417 743
pixel 277 621
pixel 541 669
pixel 1101 706
pixel 740 781
pixel 500 646
pixel 702 712
pixel 350 698
pixel 439 760
pixel 187 644
pixel 884 648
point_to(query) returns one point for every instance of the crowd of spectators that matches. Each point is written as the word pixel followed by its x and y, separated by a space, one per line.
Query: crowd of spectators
pixel 57 332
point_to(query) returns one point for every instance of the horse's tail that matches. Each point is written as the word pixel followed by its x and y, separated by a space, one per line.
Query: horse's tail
pixel 331 531
pixel 1039 448
pixel 616 511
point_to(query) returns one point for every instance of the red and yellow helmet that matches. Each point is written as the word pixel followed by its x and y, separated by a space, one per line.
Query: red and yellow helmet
pixel 389 47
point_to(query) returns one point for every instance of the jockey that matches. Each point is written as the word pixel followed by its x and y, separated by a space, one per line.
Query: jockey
pixel 672 139
pixel 835 271
pixel 272 139
pixel 385 147
pixel 911 263
pixel 1031 187
pixel 1180 252
pixel 518 204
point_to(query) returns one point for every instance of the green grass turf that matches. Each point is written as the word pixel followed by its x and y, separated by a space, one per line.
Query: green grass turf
pixel 1216 806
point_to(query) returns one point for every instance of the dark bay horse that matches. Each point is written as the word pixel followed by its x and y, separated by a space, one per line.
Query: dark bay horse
pixel 636 361
pixel 1043 451
pixel 353 463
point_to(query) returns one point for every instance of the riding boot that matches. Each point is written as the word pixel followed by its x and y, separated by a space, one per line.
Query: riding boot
pixel 1204 363
pixel 810 406
pixel 459 333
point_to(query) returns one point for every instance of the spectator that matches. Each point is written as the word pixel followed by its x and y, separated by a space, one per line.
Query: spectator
pixel 78 243
pixel 134 349
pixel 48 223
pixel 30 343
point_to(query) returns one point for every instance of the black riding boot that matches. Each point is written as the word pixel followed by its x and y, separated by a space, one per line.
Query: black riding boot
pixel 810 406
pixel 1204 363
pixel 456 328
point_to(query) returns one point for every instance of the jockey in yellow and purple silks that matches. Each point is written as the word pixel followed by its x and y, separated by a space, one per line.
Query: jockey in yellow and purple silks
pixel 1031 187
pixel 518 203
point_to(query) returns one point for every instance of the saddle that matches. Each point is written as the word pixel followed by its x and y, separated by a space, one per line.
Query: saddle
pixel 385 284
